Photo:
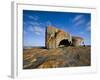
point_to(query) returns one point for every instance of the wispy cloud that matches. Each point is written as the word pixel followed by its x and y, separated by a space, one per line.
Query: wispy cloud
pixel 25 32
pixel 79 23
pixel 81 32
pixel 33 17
pixel 34 23
pixel 78 20
pixel 36 29
pixel 88 26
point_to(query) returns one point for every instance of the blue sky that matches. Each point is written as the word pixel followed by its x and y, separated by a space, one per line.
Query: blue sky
pixel 35 22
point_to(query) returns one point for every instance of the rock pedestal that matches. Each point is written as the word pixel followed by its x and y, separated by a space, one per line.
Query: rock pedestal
pixel 76 41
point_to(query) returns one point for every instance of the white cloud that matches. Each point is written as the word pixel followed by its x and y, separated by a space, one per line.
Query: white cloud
pixel 25 32
pixel 36 29
pixel 88 26
pixel 81 32
pixel 77 18
pixel 33 17
pixel 88 29
pixel 89 23
pixel 34 23
pixel 30 28
pixel 37 33
pixel 80 22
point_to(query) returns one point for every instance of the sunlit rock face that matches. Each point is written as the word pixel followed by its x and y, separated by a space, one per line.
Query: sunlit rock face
pixel 76 41
pixel 55 38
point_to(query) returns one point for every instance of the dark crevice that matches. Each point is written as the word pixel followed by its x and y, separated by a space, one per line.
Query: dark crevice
pixel 64 43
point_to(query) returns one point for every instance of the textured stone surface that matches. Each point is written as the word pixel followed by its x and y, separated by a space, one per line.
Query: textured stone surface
pixel 58 38
pixel 76 41
pixel 57 57
pixel 54 36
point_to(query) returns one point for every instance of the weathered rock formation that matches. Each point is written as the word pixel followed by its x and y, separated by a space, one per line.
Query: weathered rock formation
pixel 55 38
pixel 76 41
